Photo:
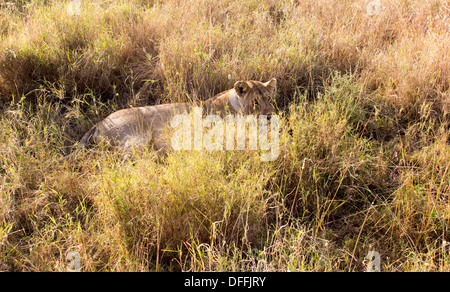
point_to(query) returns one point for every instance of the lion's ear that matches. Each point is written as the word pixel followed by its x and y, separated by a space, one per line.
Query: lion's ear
pixel 241 87
pixel 271 85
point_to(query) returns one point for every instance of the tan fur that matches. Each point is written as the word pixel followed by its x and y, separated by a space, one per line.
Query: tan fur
pixel 144 126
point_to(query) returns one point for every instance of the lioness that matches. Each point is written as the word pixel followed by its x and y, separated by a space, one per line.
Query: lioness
pixel 143 126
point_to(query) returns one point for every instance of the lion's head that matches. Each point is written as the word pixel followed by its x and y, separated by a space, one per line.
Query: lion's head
pixel 254 96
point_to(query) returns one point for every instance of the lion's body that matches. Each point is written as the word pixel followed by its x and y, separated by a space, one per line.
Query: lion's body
pixel 144 126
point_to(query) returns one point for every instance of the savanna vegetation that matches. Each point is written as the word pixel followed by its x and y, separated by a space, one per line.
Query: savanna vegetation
pixel 364 103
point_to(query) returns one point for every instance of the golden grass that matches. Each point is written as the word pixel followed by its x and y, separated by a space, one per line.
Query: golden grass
pixel 364 104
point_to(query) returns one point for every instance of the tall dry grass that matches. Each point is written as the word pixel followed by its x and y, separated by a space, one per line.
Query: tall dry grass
pixel 364 101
